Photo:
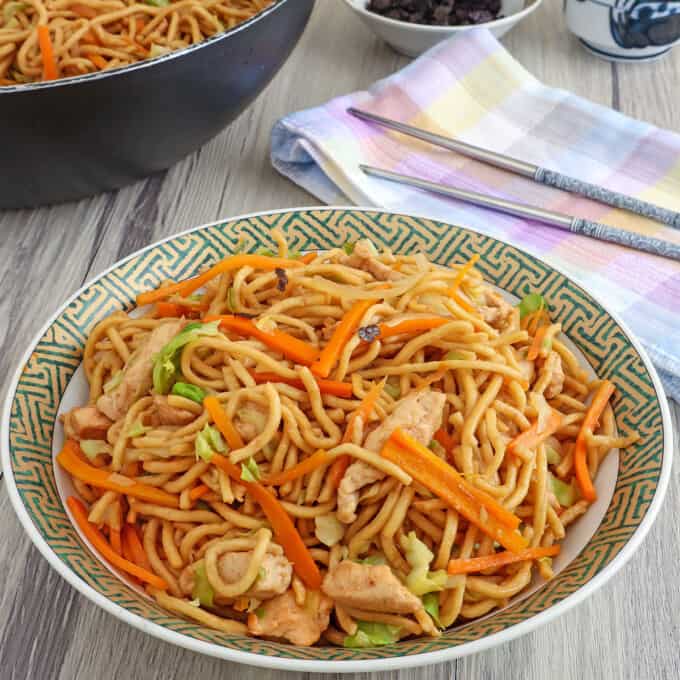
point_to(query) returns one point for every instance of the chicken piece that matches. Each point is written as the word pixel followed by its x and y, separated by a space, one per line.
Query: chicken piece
pixel 365 257
pixel 372 588
pixel 251 419
pixel 497 312
pixel 553 366
pixel 137 374
pixel 86 422
pixel 282 617
pixel 164 414
pixel 274 578
pixel 420 415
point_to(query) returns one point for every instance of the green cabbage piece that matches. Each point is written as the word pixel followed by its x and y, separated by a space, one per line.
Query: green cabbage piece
pixel 373 560
pixel 157 3
pixel 202 590
pixel 137 429
pixel 116 379
pixel 531 303
pixel 10 9
pixel 431 606
pixel 92 447
pixel 166 362
pixel 349 247
pixel 372 634
pixel 420 580
pixel 208 440
pixel 188 391
pixel 250 472
pixel 454 356
pixel 552 456
pixel 565 493
pixel 393 390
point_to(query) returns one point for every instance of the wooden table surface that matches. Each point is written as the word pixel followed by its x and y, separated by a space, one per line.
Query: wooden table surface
pixel 629 629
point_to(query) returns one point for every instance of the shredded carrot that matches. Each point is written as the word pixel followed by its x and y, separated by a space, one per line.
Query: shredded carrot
pixel 70 460
pixel 84 11
pixel 590 421
pixel 47 51
pixel 115 540
pixel 334 387
pixel 535 348
pixel 164 310
pixel 198 492
pixel 500 559
pixel 445 482
pixel 224 425
pixel 411 326
pixel 189 286
pixel 130 469
pixel 284 530
pixel 98 61
pixel 531 438
pixel 445 440
pixel 344 330
pixel 7 81
pixel 316 460
pixel 135 548
pixel 308 257
pixel 292 348
pixel 461 301
pixel 102 546
pixel 140 24
pixel 364 411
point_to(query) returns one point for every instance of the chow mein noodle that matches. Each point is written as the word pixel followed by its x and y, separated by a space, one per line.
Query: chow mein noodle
pixel 348 447
pixel 49 39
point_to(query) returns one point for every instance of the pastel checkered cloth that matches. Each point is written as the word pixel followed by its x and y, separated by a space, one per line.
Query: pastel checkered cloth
pixel 470 87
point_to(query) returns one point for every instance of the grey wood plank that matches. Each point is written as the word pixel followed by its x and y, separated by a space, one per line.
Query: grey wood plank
pixel 627 630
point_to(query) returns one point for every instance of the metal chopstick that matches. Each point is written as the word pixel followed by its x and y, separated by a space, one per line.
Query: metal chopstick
pixel 534 172
pixel 577 225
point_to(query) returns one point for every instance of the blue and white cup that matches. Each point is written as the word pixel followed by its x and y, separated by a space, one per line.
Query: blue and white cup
pixel 625 30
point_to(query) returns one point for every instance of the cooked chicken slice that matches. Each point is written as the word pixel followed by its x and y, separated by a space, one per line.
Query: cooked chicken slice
pixel 164 414
pixel 373 588
pixel 553 366
pixel 365 257
pixel 274 577
pixel 86 422
pixel 497 312
pixel 282 617
pixel 418 414
pixel 137 374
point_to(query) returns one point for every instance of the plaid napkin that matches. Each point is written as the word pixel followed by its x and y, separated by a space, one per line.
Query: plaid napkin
pixel 470 87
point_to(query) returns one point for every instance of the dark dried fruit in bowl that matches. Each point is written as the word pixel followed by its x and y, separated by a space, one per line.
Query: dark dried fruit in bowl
pixel 438 12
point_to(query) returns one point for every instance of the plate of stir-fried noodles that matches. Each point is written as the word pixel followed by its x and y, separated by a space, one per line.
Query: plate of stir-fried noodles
pixel 315 438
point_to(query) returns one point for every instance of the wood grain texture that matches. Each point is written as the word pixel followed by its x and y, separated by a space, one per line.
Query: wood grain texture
pixel 629 629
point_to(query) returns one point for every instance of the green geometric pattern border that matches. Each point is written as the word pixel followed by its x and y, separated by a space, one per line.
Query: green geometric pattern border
pixel 602 341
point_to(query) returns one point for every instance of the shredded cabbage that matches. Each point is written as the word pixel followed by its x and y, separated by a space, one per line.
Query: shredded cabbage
pixel 137 429
pixel 328 529
pixel 115 380
pixel 348 247
pixel 188 391
pixel 93 447
pixel 208 440
pixel 202 590
pixel 158 50
pixel 565 493
pixel 420 580
pixel 10 9
pixel 250 472
pixel 552 456
pixel 372 634
pixel 431 606
pixel 531 303
pixel 166 362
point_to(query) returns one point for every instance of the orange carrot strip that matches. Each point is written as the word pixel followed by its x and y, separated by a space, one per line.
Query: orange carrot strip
pixel 98 61
pixel 198 492
pixel 316 460
pixel 531 438
pixel 445 482
pixel 224 425
pixel 102 546
pixel 308 257
pixel 444 439
pixel 536 343
pixel 364 410
pixel 344 330
pixel 135 548
pixel 69 459
pixel 189 286
pixel 499 559
pixel 461 301
pixel 334 387
pixel 165 310
pixel 284 530
pixel 590 421
pixel 292 348
pixel 47 52
pixel 115 540
pixel 411 326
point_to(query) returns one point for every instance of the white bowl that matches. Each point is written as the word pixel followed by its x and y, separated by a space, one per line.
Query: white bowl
pixel 414 39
